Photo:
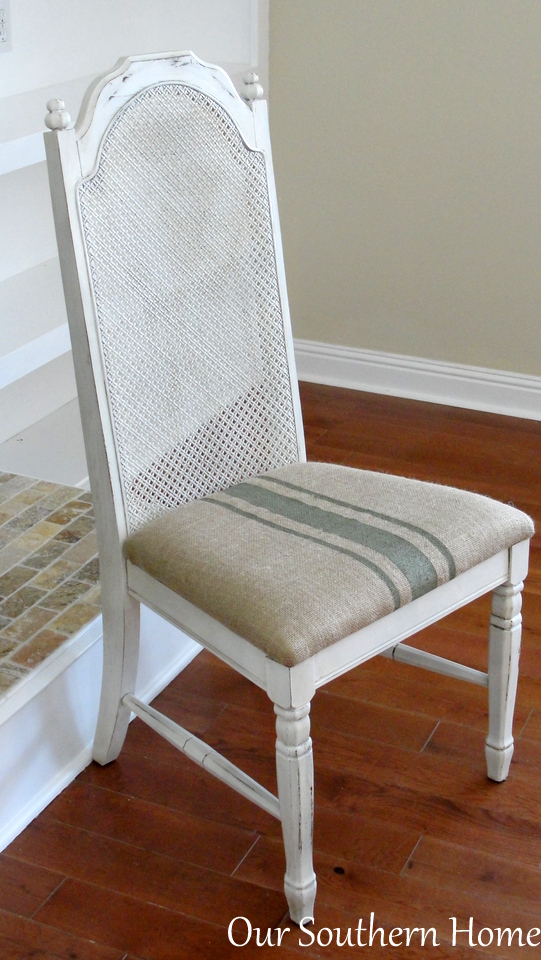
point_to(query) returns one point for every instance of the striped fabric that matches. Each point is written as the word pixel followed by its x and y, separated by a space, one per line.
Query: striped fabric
pixel 300 557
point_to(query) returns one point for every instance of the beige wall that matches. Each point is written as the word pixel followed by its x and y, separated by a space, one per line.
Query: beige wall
pixel 407 147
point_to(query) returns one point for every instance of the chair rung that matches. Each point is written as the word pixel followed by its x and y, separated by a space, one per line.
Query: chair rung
pixel 429 661
pixel 205 756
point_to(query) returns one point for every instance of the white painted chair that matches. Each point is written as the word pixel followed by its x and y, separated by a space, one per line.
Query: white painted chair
pixel 206 510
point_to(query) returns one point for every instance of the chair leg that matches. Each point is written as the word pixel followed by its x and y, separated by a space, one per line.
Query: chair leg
pixel 503 657
pixel 120 658
pixel 295 774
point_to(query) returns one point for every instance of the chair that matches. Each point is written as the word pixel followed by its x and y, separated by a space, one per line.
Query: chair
pixel 206 510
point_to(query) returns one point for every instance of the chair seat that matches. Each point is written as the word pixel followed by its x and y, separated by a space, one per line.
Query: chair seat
pixel 302 556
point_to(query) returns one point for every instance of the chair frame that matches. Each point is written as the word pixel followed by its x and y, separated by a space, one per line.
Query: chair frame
pixel 72 153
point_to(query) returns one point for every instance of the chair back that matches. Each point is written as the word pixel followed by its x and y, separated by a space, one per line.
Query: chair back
pixel 167 222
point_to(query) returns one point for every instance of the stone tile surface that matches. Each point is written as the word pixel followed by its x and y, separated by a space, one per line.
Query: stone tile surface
pixel 49 571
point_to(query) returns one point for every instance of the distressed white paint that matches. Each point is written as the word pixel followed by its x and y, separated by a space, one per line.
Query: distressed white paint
pixel 205 756
pixel 295 775
pixel 503 657
pixel 72 152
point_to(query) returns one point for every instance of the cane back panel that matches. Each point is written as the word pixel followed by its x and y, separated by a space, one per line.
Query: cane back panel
pixel 178 234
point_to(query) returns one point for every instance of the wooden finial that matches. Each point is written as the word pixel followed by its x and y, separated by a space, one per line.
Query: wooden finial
pixel 58 118
pixel 252 89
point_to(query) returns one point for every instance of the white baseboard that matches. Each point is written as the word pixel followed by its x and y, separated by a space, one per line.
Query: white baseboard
pixel 47 722
pixel 474 388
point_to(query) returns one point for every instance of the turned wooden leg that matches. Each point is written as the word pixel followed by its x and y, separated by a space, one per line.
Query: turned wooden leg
pixel 295 773
pixel 503 657
pixel 120 658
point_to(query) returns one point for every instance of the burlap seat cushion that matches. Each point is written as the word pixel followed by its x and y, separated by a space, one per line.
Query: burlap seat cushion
pixel 307 554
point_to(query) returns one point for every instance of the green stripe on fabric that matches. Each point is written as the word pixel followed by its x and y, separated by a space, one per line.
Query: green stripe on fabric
pixel 435 541
pixel 321 543
pixel 412 562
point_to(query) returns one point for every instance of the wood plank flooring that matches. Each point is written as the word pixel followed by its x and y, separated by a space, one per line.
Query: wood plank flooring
pixel 149 858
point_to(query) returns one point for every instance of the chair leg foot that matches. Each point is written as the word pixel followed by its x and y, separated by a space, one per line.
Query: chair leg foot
pixel 295 775
pixel 498 762
pixel 503 657
pixel 300 900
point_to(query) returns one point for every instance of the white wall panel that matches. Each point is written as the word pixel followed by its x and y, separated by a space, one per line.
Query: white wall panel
pixel 62 39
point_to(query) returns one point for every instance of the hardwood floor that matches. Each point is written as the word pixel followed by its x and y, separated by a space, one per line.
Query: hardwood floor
pixel 149 858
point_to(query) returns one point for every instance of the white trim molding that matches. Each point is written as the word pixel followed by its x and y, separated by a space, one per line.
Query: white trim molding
pixel 454 384
pixel 47 721
pixel 33 355
pixel 22 152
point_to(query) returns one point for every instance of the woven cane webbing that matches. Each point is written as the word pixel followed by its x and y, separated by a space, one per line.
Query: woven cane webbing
pixel 178 232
